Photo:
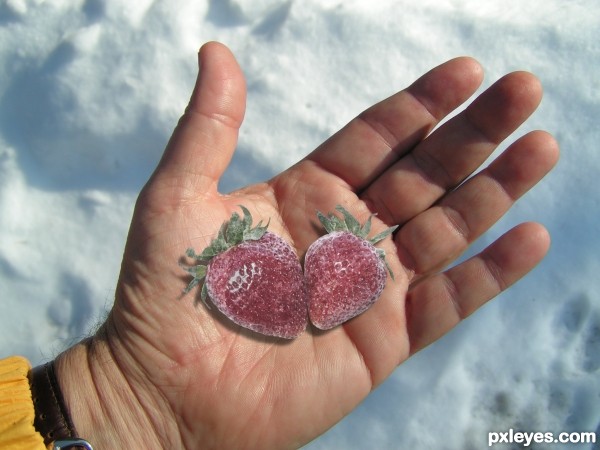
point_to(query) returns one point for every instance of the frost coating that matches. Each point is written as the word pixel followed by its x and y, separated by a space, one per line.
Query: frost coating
pixel 260 285
pixel 342 286
pixel 253 277
pixel 345 273
pixel 242 279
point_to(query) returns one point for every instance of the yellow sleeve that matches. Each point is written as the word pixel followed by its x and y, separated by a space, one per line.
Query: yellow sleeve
pixel 16 407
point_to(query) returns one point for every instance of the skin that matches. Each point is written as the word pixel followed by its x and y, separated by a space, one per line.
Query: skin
pixel 166 372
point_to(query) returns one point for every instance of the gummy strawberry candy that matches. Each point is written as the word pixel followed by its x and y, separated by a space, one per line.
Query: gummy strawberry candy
pixel 253 277
pixel 345 273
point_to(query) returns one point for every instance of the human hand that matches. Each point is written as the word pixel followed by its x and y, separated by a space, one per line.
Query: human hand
pixel 166 372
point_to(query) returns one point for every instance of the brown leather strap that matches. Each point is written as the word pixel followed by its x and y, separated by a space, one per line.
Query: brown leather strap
pixel 52 418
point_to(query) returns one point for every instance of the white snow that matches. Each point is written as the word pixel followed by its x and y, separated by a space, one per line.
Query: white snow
pixel 90 91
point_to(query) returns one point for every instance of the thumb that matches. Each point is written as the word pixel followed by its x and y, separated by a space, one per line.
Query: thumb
pixel 205 138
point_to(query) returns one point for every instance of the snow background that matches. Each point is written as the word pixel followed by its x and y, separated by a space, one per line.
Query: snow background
pixel 90 91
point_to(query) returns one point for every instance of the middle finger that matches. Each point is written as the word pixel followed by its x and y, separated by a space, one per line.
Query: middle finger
pixel 439 235
pixel 455 150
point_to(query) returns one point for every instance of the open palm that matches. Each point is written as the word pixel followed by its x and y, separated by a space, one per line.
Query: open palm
pixel 200 381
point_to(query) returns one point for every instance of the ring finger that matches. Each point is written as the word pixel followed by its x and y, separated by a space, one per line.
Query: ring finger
pixel 440 234
pixel 452 152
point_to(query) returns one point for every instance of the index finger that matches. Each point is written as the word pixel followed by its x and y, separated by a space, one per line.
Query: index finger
pixel 379 136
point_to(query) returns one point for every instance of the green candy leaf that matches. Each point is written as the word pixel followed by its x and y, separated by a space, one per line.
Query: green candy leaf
pixel 215 248
pixel 231 233
pixel 204 295
pixel 352 225
pixel 191 286
pixel 366 228
pixel 198 272
pixel 256 233
pixel 325 221
pixel 337 224
pixel 381 236
pixel 349 223
pixel 247 218
pixel 192 254
pixel 235 230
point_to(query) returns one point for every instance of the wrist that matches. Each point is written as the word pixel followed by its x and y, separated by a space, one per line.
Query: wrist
pixel 101 401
